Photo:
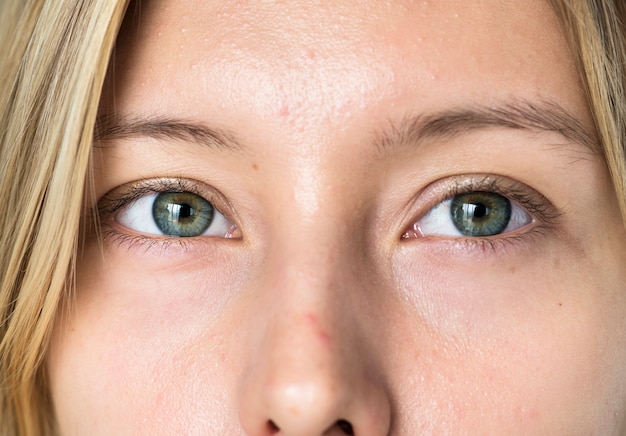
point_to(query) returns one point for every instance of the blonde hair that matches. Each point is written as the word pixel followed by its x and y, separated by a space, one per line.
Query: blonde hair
pixel 53 59
pixel 596 31
pixel 54 56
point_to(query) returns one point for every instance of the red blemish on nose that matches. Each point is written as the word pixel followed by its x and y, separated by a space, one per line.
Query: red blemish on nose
pixel 284 111
pixel 321 334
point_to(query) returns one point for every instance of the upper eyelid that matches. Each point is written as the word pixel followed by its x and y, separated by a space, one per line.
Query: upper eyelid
pixel 538 205
pixel 123 195
pixel 502 185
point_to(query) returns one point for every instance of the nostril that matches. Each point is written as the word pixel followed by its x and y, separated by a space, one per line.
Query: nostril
pixel 342 424
pixel 345 426
pixel 272 427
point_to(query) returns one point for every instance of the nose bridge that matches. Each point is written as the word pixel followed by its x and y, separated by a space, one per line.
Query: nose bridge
pixel 311 245
pixel 310 282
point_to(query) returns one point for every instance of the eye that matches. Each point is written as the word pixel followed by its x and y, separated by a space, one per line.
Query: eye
pixel 476 213
pixel 176 214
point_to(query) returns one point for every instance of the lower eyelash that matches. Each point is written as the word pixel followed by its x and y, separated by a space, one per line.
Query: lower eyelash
pixel 110 204
pixel 477 249
pixel 136 241
pixel 543 214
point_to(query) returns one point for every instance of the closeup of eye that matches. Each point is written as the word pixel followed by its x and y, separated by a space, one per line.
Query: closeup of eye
pixel 481 206
pixel 477 213
pixel 165 207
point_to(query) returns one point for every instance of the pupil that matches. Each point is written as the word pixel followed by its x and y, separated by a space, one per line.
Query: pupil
pixel 480 210
pixel 180 212
pixel 185 211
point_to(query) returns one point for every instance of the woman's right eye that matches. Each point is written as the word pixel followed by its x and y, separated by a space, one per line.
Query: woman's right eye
pixel 176 214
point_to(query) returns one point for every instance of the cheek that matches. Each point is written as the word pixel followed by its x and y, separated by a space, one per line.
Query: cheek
pixel 525 341
pixel 132 349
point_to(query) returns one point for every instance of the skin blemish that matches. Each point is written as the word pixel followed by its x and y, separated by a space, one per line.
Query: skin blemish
pixel 255 166
pixel 284 111
pixel 321 334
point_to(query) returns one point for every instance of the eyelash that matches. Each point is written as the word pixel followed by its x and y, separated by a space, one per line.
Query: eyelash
pixel 112 202
pixel 543 213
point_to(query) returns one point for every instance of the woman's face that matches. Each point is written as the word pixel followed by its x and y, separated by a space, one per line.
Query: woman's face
pixel 347 217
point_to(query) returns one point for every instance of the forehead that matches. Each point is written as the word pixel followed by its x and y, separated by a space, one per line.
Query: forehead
pixel 342 56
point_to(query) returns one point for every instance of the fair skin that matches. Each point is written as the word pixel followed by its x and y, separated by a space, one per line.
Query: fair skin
pixel 325 296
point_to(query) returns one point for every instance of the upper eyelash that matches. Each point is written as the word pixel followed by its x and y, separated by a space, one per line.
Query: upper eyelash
pixel 545 215
pixel 124 195
pixel 541 208
pixel 535 203
pixel 113 201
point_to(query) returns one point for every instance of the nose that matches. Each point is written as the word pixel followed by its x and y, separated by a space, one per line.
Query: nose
pixel 313 369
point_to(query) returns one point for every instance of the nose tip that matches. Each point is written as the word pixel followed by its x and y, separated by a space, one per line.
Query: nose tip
pixel 315 350
pixel 309 381
pixel 308 408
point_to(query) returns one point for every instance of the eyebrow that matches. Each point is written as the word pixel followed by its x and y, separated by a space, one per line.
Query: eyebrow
pixel 518 115
pixel 116 126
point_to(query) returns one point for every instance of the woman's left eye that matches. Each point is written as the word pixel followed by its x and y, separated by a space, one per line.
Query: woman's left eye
pixel 474 214
pixel 176 214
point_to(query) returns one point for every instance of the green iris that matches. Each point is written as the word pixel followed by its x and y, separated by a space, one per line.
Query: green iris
pixel 480 213
pixel 182 213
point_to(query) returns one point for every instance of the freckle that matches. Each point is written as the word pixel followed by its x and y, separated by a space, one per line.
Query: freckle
pixel 560 303
pixel 294 411
pixel 255 166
